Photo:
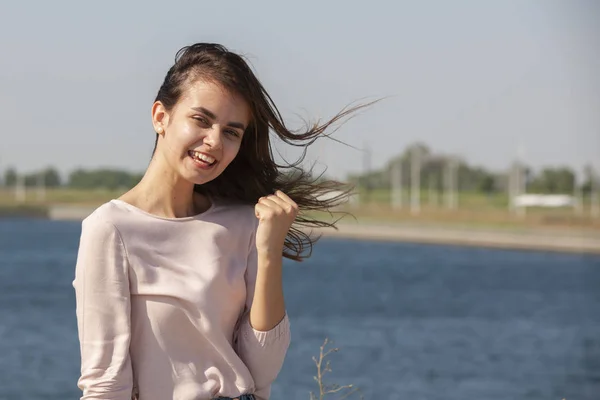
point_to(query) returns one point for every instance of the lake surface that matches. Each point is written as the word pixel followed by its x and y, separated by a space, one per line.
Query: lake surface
pixel 410 321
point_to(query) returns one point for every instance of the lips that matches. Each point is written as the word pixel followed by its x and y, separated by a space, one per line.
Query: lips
pixel 201 159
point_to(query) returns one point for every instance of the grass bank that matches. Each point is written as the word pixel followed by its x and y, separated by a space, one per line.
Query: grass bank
pixel 473 210
pixel 24 210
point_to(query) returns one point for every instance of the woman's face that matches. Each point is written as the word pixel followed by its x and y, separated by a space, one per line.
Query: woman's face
pixel 202 134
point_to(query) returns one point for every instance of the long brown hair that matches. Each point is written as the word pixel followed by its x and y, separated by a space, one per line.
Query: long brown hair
pixel 253 173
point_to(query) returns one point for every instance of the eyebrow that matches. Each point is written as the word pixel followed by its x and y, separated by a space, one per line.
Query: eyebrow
pixel 211 115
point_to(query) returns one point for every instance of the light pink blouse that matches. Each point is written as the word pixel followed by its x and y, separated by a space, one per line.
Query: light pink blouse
pixel 163 303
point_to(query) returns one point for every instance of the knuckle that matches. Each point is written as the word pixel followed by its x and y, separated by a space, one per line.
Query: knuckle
pixel 268 214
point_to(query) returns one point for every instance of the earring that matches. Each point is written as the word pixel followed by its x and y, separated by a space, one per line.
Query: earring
pixel 159 130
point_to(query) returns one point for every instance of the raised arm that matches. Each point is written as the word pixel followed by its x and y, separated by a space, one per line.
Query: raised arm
pixel 265 331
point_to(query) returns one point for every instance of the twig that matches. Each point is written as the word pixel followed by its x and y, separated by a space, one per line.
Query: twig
pixel 322 370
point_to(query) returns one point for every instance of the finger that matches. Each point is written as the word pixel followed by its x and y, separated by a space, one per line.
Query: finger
pixel 270 207
pixel 270 201
pixel 264 210
pixel 280 195
pixel 281 202
pixel 284 196
pixel 261 209
pixel 290 209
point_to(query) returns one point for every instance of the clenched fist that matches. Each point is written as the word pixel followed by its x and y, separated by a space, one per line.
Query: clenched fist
pixel 275 213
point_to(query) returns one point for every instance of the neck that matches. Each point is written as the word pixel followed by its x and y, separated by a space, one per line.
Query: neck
pixel 163 192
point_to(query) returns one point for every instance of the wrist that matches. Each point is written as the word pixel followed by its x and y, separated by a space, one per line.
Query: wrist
pixel 270 249
pixel 269 256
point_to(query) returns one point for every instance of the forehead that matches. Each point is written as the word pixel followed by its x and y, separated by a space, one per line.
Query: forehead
pixel 215 97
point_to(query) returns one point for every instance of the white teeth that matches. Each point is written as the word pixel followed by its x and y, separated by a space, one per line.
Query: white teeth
pixel 204 157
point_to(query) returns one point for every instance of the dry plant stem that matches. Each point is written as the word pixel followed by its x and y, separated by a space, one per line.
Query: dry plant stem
pixel 322 370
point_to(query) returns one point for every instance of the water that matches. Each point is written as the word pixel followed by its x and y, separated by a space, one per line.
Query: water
pixel 411 321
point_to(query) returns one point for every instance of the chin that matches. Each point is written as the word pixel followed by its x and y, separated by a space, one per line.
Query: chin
pixel 200 174
pixel 200 180
pixel 197 181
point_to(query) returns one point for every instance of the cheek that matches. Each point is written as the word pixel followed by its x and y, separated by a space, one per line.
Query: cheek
pixel 187 138
pixel 230 151
pixel 186 132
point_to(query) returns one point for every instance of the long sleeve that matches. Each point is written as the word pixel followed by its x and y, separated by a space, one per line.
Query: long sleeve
pixel 262 352
pixel 103 312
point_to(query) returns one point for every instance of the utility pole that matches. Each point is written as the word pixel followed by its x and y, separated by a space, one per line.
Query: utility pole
pixel 415 180
pixel 451 182
pixel 595 196
pixel 41 186
pixel 432 195
pixel 521 178
pixel 578 195
pixel 367 172
pixel 448 183
pixel 520 186
pixel 20 191
pixel 511 189
pixel 454 183
pixel 515 186
pixel 396 184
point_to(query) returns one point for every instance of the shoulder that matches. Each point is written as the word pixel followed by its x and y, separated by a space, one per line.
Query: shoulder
pixel 100 238
pixel 103 220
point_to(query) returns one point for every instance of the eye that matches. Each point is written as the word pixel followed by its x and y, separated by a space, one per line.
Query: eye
pixel 232 132
pixel 201 119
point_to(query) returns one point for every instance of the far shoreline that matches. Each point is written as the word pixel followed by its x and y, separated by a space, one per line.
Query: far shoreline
pixel 535 239
pixel 466 237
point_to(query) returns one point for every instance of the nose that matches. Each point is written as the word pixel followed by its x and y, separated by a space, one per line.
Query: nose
pixel 213 137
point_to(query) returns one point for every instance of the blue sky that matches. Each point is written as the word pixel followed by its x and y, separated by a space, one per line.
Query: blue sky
pixel 478 79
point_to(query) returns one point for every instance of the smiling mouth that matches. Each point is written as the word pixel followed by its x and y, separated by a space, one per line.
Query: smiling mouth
pixel 202 160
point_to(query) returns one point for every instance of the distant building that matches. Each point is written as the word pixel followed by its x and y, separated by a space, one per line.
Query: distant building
pixel 545 200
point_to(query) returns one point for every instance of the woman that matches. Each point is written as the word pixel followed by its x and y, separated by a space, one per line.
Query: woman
pixel 178 282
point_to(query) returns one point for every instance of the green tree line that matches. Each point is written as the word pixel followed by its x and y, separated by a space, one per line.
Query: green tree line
pixel 434 169
pixel 557 179
pixel 105 178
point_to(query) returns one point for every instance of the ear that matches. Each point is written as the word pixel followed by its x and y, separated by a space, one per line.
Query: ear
pixel 160 117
